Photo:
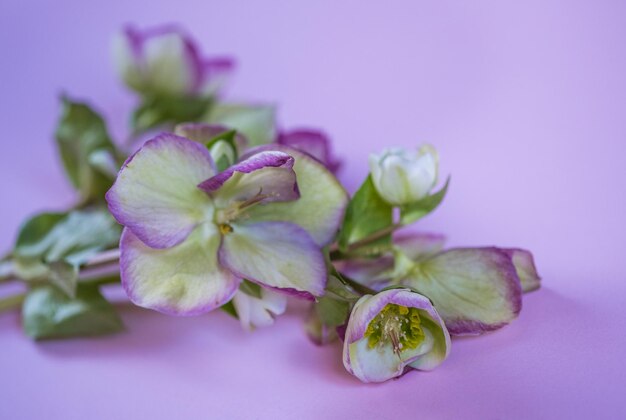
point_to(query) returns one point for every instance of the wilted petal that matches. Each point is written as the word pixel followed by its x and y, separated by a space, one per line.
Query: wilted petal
pixel 315 143
pixel 526 270
pixel 184 280
pixel 473 289
pixel 322 203
pixel 277 254
pixel 155 193
pixel 264 177
pixel 254 312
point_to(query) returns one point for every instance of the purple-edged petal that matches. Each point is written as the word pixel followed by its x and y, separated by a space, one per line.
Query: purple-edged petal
pixel 416 245
pixel 216 73
pixel 315 143
pixel 266 177
pixel 277 254
pixel 382 363
pixel 159 60
pixel 322 204
pixel 155 192
pixel 371 272
pixel 184 280
pixel 474 289
pixel 525 267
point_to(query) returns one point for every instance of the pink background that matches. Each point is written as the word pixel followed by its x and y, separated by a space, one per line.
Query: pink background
pixel 524 100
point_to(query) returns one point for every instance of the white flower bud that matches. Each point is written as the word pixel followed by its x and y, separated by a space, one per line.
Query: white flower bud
pixel 403 177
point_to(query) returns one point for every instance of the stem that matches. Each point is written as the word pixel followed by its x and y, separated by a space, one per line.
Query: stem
pixel 355 285
pixel 11 302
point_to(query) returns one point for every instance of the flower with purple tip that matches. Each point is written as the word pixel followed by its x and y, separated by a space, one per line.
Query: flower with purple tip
pixel 391 332
pixel 192 235
pixel 165 61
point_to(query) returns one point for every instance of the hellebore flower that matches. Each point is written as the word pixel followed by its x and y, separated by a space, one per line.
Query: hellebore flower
pixel 403 177
pixel 164 61
pixel 391 331
pixel 315 143
pixel 192 235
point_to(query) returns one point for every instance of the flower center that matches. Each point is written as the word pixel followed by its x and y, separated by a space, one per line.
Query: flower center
pixel 398 325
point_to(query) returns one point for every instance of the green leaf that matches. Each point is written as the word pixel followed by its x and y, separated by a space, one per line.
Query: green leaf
pixel 73 237
pixel 419 209
pixel 51 246
pixel 49 313
pixel 159 110
pixel 229 308
pixel 80 134
pixel 256 122
pixel 250 289
pixel 367 214
pixel 332 312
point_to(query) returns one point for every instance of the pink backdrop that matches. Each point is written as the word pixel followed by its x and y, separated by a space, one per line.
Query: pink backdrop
pixel 525 102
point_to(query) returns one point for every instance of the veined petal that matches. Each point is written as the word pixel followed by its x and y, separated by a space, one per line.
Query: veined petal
pixel 155 192
pixel 183 280
pixel 256 312
pixel 322 202
pixel 525 267
pixel 474 289
pixel 266 175
pixel 276 254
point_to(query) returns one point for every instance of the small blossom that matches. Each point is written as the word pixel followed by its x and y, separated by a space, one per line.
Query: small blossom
pixel 403 177
pixel 164 61
pixel 256 312
pixel 192 235
pixel 391 331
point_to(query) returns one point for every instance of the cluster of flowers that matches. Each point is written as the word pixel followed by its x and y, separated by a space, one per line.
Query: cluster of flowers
pixel 223 211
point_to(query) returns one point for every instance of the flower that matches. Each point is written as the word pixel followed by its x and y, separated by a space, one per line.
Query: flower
pixel 403 177
pixel 393 330
pixel 258 311
pixel 192 235
pixel 315 143
pixel 164 61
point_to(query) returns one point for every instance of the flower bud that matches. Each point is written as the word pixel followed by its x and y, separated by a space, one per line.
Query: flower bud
pixel 164 61
pixel 391 331
pixel 403 177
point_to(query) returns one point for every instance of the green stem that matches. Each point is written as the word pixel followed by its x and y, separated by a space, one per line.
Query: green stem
pixel 12 302
pixel 355 285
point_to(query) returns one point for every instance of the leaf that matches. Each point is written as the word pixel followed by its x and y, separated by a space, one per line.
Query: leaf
pixel 48 313
pixel 367 214
pixel 250 289
pixel 332 312
pixel 256 122
pixel 413 212
pixel 73 237
pixel 80 133
pixel 52 246
pixel 159 110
